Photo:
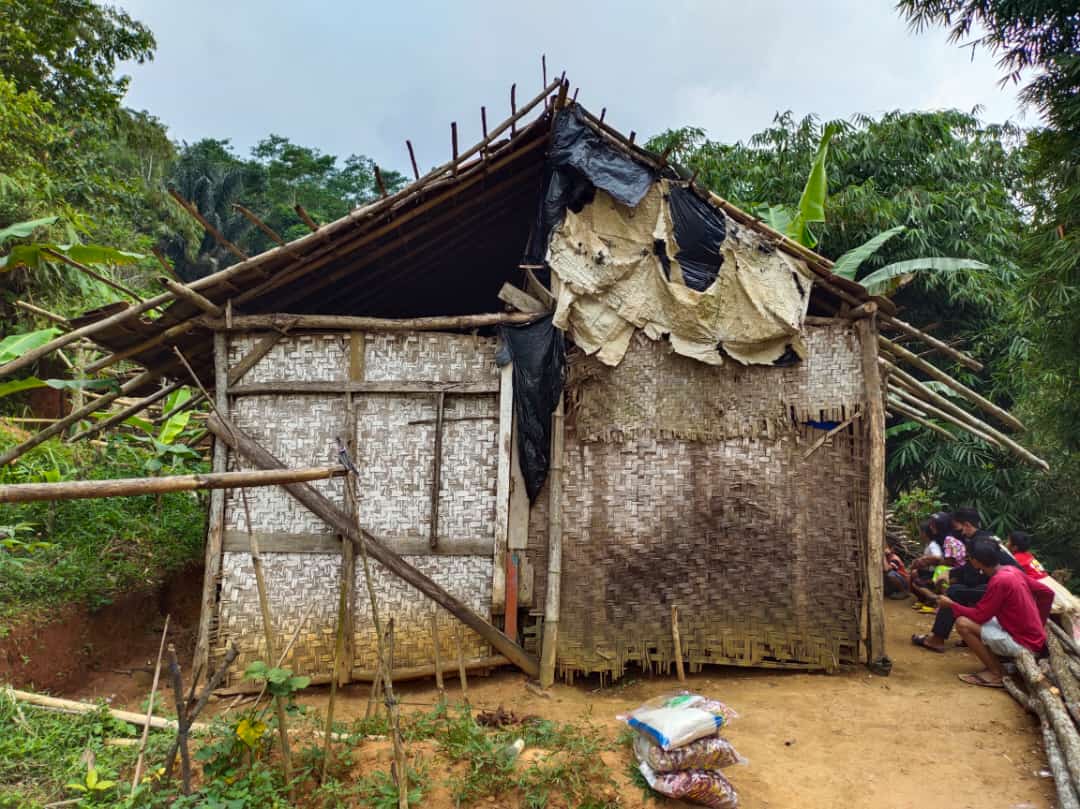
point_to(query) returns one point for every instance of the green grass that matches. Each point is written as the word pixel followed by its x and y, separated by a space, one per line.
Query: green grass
pixel 89 551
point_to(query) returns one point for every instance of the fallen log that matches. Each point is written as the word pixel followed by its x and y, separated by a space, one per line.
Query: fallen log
pixel 131 487
pixel 344 525
pixel 71 706
pixel 1051 710
pixel 1066 682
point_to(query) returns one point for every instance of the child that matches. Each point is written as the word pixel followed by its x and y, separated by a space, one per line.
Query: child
pixel 897 580
pixel 1019 546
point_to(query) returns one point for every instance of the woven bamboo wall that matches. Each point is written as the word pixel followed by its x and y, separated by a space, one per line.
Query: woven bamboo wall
pixel 704 501
pixel 394 451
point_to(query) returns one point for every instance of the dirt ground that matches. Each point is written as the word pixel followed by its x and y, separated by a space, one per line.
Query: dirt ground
pixel 918 738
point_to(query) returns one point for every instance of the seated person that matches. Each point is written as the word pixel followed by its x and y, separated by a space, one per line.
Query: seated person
pixel 968 582
pixel 1019 545
pixel 943 552
pixel 922 568
pixel 1008 619
pixel 897 579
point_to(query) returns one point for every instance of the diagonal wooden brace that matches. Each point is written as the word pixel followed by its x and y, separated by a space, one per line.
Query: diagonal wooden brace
pixel 343 524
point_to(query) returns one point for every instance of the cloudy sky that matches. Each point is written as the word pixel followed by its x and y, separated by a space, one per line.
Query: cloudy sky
pixel 349 76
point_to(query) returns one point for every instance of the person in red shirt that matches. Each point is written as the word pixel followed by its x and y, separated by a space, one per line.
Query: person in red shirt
pixel 1009 618
pixel 1019 546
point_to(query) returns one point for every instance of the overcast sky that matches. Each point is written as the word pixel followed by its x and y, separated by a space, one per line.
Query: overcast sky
pixel 362 77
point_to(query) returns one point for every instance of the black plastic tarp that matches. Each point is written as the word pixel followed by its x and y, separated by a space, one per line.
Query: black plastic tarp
pixel 699 232
pixel 579 161
pixel 538 352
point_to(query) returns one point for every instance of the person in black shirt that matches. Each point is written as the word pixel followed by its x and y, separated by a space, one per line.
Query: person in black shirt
pixel 968 582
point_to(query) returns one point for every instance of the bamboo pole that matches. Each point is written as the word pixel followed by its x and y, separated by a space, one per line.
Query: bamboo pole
pixel 981 402
pixel 126 413
pixel 914 385
pixel 133 487
pixel 437 652
pixel 182 725
pixel 149 709
pixel 12 454
pixel 349 323
pixel 342 523
pixel 104 279
pixel 412 160
pixel 192 297
pixel 677 643
pixel 554 580
pixel 436 470
pixel 70 706
pixel 217 235
pixel 305 217
pixel 250 216
pixel 866 328
pixel 62 322
pixel 912 401
pixel 919 418
pixel 933 342
pixel 180 329
pixel 460 632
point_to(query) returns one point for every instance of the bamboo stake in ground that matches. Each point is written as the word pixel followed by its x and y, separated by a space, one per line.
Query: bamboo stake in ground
pixel 149 709
pixel 182 725
pixel 401 766
pixel 461 664
pixel 678 644
pixel 435 646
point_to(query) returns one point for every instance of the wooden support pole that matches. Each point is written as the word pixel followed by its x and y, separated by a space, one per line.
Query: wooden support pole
pixel 342 523
pixel 437 654
pixel 150 708
pixel 460 630
pixel 182 725
pixel 904 379
pixel 982 403
pixel 104 279
pixel 933 342
pixel 436 470
pixel 192 297
pixel 866 329
pixel 351 323
pixel 305 217
pixel 677 644
pixel 216 234
pixel 412 160
pixel 554 583
pixel 126 413
pixel 58 427
pixel 134 487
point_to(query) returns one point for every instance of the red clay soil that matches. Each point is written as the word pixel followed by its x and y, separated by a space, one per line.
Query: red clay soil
pixel 75 649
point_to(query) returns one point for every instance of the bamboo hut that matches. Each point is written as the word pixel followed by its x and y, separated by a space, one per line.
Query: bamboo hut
pixel 579 391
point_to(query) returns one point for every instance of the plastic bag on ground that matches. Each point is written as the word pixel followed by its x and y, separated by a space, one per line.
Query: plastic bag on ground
pixel 705 787
pixel 677 719
pixel 709 753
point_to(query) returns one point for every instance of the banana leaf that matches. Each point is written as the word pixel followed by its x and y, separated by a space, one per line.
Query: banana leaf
pixel 892 277
pixel 15 345
pixel 848 264
pixel 20 230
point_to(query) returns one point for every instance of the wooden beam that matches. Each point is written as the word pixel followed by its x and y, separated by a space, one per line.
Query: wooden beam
pixel 92 273
pixel 127 412
pixel 134 487
pixel 436 470
pixel 249 360
pixel 170 333
pixel 341 522
pixel 95 405
pixel 305 217
pixel 926 410
pixel 944 348
pixel 62 322
pixel 982 403
pixel 520 300
pixel 874 408
pixel 920 418
pixel 217 235
pixel 350 323
pixel 192 297
pixel 374 386
pixel 250 216
pixel 503 452
pixel 553 599
pixel 330 544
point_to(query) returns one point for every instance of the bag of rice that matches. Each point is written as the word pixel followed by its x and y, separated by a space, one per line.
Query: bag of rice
pixel 677 719
pixel 709 753
pixel 707 787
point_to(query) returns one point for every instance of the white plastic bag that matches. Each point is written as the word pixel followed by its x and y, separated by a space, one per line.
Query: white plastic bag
pixel 678 719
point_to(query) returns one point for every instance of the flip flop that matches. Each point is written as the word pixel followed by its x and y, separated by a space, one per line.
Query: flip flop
pixel 920 641
pixel 975 679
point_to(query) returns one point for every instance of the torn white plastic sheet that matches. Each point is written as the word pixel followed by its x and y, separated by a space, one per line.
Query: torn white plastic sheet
pixel 608 277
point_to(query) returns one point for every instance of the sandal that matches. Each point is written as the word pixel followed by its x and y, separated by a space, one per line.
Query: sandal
pixel 920 641
pixel 975 679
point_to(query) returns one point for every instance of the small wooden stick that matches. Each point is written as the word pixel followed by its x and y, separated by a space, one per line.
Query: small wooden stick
pixel 164 262
pixel 453 144
pixel 461 662
pixel 217 235
pixel 305 217
pixel 435 646
pixel 375 692
pixel 412 159
pixel 62 322
pixel 633 135
pixel 483 121
pixel 678 644
pixel 603 112
pixel 149 709
pixel 95 275
pixel 379 182
pixel 250 216
pixel 182 724
pixel 513 108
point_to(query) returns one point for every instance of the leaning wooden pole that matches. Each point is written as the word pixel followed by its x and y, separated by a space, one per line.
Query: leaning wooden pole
pixel 149 708
pixel 342 523
pixel 132 487
pixel 866 328
pixel 554 577
pixel 126 413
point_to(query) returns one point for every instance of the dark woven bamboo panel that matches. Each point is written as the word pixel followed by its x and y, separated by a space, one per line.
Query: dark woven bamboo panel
pixel 758 547
pixel 394 451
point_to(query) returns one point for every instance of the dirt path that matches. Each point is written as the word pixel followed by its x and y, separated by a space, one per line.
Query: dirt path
pixel 914 740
